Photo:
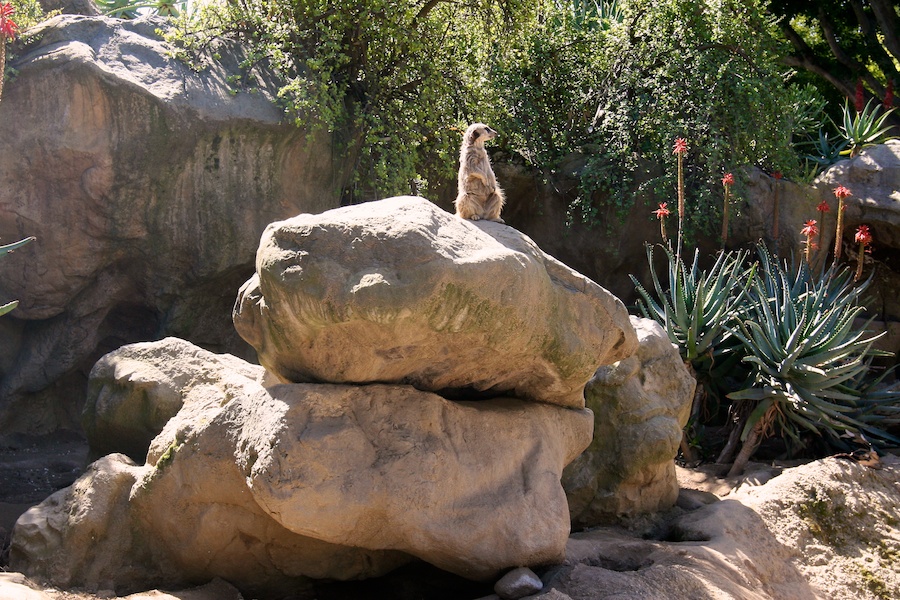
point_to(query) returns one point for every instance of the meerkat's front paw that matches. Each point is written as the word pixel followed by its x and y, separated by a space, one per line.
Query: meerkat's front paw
pixel 498 220
pixel 475 218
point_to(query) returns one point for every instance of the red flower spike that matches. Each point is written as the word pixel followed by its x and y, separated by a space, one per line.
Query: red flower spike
pixel 728 179
pixel 777 175
pixel 863 236
pixel 662 211
pixel 823 207
pixel 8 27
pixel 810 230
pixel 841 192
pixel 680 146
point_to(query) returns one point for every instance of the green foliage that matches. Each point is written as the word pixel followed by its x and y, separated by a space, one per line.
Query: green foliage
pixel 865 128
pixel 825 151
pixel 806 356
pixel 393 81
pixel 131 9
pixel 697 306
pixel 622 92
pixel 4 250
pixel 805 367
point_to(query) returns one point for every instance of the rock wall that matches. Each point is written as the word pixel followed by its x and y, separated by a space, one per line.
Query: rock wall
pixel 147 186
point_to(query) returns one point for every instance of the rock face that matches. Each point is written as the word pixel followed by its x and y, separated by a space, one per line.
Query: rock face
pixel 402 291
pixel 147 185
pixel 640 405
pixel 133 394
pixel 269 486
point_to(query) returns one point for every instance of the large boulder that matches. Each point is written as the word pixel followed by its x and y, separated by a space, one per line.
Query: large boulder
pixel 401 291
pixel 269 486
pixel 640 405
pixel 147 184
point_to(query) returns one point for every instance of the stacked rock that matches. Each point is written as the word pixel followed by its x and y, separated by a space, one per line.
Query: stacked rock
pixel 423 391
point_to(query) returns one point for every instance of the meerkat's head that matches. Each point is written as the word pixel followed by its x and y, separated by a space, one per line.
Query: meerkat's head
pixel 477 134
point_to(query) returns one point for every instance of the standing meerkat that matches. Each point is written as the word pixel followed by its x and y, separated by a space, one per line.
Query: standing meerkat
pixel 479 195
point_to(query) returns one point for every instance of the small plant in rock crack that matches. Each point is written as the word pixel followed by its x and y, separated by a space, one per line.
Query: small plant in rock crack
pixel 4 250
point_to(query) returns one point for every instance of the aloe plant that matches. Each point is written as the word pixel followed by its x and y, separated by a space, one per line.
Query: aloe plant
pixel 825 151
pixel 696 309
pixel 697 306
pixel 4 250
pixel 804 353
pixel 866 128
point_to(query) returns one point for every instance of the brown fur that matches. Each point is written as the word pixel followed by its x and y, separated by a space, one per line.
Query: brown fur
pixel 479 195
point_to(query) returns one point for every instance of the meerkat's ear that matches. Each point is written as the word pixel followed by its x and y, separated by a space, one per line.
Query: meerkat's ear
pixel 473 136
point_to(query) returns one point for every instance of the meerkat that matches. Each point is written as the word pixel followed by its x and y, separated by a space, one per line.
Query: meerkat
pixel 479 195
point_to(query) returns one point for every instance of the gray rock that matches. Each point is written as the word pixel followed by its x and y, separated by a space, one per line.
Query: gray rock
pixel 147 191
pixel 401 291
pixel 518 583
pixel 640 406
pixel 271 486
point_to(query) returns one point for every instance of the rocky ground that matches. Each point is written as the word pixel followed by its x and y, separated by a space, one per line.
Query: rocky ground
pixel 824 529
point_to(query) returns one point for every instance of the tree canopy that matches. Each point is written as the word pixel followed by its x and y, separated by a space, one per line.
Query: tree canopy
pixel 844 41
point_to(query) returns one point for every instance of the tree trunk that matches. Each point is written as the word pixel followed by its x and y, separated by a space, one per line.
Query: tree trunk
pixel 750 445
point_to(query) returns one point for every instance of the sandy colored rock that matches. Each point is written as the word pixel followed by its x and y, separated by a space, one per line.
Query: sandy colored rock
pixel 401 291
pixel 640 406
pixel 841 519
pixel 269 487
pixel 135 390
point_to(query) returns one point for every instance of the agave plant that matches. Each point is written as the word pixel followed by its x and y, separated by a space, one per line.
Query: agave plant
pixel 805 355
pixel 696 309
pixel 825 151
pixel 866 128
pixel 4 250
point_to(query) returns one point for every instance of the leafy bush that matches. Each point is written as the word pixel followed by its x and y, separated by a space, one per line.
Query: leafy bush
pixel 621 90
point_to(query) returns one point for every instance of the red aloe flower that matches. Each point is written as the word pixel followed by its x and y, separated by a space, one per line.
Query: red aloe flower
pixel 863 237
pixel 777 175
pixel 889 95
pixel 810 231
pixel 728 179
pixel 859 100
pixel 7 25
pixel 680 146
pixel 823 207
pixel 661 213
pixel 840 192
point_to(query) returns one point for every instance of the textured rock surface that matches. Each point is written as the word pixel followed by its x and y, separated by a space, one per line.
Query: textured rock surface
pixel 147 185
pixel 135 390
pixel 402 291
pixel 640 406
pixel 268 486
pixel 518 583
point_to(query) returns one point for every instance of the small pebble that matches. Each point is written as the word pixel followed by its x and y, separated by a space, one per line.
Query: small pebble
pixel 518 583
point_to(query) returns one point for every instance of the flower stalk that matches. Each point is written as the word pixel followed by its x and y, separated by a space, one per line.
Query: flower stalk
pixel 840 192
pixel 679 150
pixel 863 237
pixel 661 213
pixel 810 231
pixel 727 182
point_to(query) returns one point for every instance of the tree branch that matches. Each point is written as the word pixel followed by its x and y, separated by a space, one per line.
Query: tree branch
pixel 887 22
